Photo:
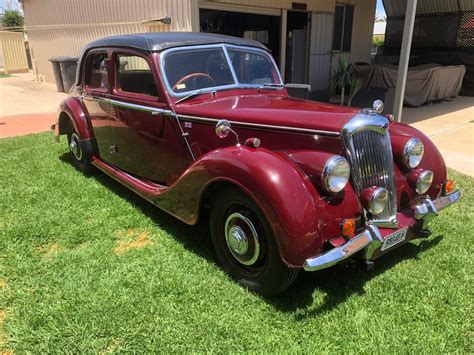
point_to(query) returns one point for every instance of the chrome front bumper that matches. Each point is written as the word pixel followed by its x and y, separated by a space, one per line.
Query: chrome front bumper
pixel 371 239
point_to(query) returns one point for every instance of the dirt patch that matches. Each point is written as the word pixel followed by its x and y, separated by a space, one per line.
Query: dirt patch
pixel 48 250
pixel 131 239
pixel 2 282
pixel 112 347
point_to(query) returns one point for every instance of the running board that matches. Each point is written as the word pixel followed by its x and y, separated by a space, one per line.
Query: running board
pixel 146 189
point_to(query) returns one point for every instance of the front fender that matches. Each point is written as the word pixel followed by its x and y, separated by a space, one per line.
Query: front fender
pixel 301 220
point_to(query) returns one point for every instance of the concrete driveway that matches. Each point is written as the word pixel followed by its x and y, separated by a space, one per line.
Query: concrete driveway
pixel 450 126
pixel 28 107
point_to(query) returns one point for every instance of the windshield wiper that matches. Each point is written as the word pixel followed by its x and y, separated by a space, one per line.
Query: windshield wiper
pixel 195 93
pixel 270 86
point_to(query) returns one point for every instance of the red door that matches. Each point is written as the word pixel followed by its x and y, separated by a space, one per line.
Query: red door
pixel 96 93
pixel 146 142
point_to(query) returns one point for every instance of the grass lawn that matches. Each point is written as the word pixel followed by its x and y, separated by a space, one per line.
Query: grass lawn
pixel 87 265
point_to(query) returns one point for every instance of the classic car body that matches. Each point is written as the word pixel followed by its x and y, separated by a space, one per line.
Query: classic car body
pixel 284 160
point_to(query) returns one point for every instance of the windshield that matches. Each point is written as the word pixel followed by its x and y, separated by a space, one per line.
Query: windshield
pixel 217 67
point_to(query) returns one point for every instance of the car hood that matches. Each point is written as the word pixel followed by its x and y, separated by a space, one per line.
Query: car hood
pixel 282 111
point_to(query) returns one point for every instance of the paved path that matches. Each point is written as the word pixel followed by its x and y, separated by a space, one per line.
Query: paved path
pixel 27 106
pixel 450 126
pixel 18 125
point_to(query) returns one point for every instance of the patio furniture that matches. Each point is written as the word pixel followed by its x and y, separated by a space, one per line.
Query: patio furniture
pixel 425 83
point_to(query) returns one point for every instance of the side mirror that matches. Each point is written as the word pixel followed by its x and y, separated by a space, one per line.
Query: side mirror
pixel 223 129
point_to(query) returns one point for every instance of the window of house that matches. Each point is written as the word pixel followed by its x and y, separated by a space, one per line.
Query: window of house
pixel 97 75
pixel 343 20
pixel 134 75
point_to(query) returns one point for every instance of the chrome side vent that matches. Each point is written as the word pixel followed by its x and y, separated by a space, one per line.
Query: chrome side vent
pixel 369 150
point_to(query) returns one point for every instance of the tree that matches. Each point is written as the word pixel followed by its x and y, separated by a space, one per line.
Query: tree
pixel 379 18
pixel 13 20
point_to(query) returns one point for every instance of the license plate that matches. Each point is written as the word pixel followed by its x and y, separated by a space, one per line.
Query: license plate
pixel 394 239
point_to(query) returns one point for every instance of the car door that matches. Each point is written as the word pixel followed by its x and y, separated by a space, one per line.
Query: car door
pixel 146 141
pixel 95 95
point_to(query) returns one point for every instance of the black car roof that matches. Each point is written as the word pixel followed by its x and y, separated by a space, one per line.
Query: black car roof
pixel 159 41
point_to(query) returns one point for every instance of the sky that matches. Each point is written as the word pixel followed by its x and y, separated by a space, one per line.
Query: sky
pixel 380 9
pixel 4 5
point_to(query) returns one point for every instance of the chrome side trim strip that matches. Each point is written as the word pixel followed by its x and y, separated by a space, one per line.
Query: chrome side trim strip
pixel 142 108
pixel 149 109
pixel 262 126
pixel 157 111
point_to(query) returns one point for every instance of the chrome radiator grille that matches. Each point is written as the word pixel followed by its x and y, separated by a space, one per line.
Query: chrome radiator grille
pixel 369 150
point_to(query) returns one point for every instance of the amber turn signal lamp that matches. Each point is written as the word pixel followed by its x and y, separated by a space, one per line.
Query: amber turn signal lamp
pixel 348 227
pixel 449 186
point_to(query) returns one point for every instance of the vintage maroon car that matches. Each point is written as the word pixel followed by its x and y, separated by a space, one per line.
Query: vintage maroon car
pixel 192 120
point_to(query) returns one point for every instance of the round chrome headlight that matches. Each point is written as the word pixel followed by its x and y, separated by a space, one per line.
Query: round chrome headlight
pixel 424 182
pixel 336 174
pixel 413 153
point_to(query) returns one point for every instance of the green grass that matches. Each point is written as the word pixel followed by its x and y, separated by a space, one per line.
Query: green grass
pixel 64 289
pixel 3 75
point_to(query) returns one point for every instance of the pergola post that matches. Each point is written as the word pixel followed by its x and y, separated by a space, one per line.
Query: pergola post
pixel 404 58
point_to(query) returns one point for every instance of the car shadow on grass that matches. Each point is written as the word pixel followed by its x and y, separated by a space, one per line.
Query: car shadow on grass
pixel 337 283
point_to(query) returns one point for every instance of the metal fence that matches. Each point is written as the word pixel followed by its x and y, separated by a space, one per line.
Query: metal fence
pixel 12 52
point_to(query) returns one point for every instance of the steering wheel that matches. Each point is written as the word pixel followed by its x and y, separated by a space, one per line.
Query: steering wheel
pixel 193 75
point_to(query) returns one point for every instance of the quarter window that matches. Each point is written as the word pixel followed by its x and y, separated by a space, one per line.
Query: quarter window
pixel 343 20
pixel 97 75
pixel 134 75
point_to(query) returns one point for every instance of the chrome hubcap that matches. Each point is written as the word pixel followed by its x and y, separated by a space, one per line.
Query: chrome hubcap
pixel 74 146
pixel 238 240
pixel 242 239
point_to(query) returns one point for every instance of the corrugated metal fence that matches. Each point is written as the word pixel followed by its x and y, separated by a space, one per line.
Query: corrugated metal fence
pixel 12 52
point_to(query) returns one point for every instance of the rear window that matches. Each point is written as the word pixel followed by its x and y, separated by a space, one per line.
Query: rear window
pixel 97 75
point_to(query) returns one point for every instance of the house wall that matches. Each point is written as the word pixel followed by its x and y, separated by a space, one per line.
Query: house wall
pixel 312 5
pixel 64 27
pixel 362 32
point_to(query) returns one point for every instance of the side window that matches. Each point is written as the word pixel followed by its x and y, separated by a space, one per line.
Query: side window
pixel 134 75
pixel 97 75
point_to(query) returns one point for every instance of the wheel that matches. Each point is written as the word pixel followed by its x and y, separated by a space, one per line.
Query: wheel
pixel 81 159
pixel 245 244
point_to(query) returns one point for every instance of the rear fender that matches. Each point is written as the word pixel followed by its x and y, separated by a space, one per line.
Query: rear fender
pixel 300 219
pixel 71 109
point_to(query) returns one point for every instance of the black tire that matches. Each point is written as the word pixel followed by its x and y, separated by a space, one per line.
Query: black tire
pixel 257 264
pixel 80 155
